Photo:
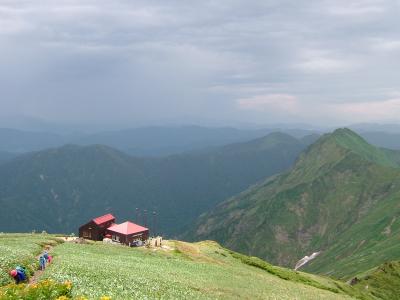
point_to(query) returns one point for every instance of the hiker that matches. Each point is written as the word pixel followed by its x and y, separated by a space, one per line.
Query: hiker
pixel 19 274
pixel 42 262
pixel 48 257
pixel 21 269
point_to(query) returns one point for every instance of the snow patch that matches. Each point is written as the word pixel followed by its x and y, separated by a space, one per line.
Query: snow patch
pixel 305 260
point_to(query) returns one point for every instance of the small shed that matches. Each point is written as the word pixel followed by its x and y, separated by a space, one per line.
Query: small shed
pixel 128 232
pixel 96 228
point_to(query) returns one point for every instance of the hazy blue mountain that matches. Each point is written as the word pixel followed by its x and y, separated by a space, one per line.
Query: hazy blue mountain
pixel 375 127
pixel 6 156
pixel 18 141
pixel 58 189
pixel 145 141
pixel 382 139
pixel 381 135
pixel 162 141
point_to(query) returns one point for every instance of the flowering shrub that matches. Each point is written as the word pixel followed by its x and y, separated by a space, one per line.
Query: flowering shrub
pixel 20 249
pixel 46 289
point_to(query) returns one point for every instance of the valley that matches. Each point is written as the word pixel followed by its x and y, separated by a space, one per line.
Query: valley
pixel 78 182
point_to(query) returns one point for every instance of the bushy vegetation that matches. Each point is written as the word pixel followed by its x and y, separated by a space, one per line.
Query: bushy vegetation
pixel 21 249
pixel 44 290
pixel 304 278
pixel 382 282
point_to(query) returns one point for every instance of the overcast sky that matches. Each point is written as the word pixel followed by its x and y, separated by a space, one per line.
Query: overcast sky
pixel 148 62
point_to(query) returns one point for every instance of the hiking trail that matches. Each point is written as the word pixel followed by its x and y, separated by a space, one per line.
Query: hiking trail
pixel 38 273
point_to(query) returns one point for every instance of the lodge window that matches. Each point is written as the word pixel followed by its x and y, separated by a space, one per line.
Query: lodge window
pixel 87 234
pixel 115 238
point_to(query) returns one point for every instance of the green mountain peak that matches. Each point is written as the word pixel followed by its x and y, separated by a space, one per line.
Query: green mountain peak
pixel 340 197
pixel 342 144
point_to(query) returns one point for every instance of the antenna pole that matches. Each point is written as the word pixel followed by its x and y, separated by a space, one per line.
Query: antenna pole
pixel 154 223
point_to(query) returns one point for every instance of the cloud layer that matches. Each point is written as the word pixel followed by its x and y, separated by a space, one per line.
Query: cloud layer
pixel 141 62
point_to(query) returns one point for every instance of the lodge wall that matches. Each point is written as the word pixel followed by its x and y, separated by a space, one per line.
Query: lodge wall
pixel 92 231
pixel 126 239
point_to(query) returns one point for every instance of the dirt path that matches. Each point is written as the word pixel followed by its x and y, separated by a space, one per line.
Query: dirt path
pixel 38 273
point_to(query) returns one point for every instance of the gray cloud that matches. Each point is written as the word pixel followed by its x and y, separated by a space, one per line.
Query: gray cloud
pixel 137 62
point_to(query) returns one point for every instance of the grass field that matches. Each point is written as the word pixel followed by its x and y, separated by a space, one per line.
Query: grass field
pixel 180 270
pixel 187 271
pixel 21 249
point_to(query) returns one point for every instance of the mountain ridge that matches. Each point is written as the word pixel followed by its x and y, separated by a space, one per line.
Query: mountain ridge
pixel 332 187
pixel 80 182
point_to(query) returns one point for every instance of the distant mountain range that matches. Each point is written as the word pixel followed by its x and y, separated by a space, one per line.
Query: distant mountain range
pixel 61 188
pixel 6 156
pixel 18 141
pixel 375 127
pixel 145 141
pixel 342 197
pixel 164 141
pixel 338 194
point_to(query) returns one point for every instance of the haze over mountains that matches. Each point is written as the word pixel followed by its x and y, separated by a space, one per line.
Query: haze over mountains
pixel 144 141
pixel 341 198
pixel 6 156
pixel 160 141
pixel 58 189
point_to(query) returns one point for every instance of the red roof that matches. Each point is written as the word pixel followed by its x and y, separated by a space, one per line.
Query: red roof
pixel 104 219
pixel 127 228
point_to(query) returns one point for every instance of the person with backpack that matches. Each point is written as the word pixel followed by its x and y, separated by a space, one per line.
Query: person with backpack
pixel 19 274
pixel 42 263
pixel 21 269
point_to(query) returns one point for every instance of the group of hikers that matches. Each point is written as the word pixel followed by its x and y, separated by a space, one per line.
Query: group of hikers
pixel 19 273
pixel 44 260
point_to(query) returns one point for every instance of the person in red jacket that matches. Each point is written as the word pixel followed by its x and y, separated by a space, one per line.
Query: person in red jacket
pixel 18 275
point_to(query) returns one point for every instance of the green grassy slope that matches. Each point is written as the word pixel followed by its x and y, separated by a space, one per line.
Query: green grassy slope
pixel 183 271
pixel 342 197
pixel 382 282
pixel 58 189
pixel 355 143
pixel 21 249
pixel 178 270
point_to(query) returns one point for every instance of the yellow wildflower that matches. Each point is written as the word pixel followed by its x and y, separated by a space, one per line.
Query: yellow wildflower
pixel 68 284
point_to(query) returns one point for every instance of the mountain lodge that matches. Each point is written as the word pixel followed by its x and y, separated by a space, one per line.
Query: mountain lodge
pixel 96 228
pixel 126 233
